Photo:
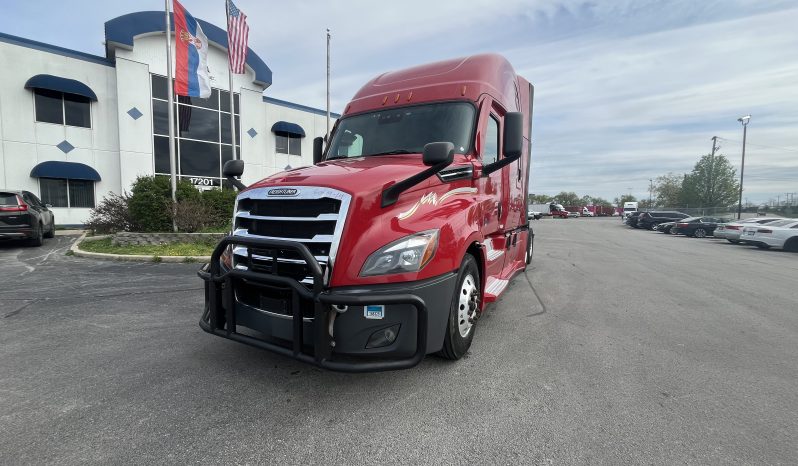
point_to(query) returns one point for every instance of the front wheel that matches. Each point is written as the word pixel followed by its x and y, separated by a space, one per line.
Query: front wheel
pixel 38 237
pixel 464 310
pixel 700 233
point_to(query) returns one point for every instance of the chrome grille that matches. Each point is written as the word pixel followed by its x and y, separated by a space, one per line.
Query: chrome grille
pixel 313 216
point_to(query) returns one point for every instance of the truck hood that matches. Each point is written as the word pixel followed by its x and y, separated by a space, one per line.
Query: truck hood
pixel 356 176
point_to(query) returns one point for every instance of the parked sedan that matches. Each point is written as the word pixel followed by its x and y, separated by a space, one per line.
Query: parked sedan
pixel 781 234
pixel 573 214
pixel 534 215
pixel 665 227
pixel 24 216
pixel 732 231
pixel 651 219
pixel 699 227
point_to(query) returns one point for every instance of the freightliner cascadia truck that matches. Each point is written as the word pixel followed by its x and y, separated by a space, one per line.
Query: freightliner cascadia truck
pixel 411 220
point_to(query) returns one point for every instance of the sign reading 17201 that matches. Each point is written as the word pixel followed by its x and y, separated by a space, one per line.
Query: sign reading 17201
pixel 198 181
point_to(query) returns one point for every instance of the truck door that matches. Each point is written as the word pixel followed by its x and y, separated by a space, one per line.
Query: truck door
pixel 494 195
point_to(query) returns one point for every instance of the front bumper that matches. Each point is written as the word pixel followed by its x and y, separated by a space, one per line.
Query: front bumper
pixel 311 327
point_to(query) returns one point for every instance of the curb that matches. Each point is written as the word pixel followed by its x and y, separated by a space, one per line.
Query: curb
pixel 76 251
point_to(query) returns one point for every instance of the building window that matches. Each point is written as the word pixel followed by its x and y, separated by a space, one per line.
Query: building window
pixel 203 139
pixel 59 192
pixel 60 108
pixel 288 143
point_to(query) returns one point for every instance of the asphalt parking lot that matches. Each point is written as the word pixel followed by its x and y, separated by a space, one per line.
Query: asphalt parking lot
pixel 617 346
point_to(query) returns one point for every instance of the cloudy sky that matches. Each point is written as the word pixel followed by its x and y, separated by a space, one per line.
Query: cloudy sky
pixel 625 90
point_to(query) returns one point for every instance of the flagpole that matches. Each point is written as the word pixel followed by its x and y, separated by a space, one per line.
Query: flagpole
pixel 230 77
pixel 327 135
pixel 172 164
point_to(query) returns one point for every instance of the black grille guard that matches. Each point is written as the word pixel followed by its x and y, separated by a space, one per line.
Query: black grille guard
pixel 220 302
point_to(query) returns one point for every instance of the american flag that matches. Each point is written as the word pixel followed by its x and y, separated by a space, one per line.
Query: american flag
pixel 237 34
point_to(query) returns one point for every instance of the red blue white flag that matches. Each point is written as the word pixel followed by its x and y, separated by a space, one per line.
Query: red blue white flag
pixel 191 55
pixel 237 35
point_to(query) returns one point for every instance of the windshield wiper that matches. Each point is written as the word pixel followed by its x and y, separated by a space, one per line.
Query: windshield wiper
pixel 394 152
pixel 336 158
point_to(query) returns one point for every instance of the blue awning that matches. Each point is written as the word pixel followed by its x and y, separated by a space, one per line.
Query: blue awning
pixel 289 128
pixel 69 170
pixel 56 83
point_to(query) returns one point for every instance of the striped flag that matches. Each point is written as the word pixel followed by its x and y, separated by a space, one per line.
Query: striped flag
pixel 191 55
pixel 237 34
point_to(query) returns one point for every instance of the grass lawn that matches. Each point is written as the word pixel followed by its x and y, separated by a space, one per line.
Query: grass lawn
pixel 173 249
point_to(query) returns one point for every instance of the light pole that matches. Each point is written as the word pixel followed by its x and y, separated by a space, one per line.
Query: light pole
pixel 650 190
pixel 744 121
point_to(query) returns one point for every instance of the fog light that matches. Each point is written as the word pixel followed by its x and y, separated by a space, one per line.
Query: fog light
pixel 383 337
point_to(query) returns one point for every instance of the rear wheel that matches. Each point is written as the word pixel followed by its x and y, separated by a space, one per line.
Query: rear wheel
pixel 700 233
pixel 791 245
pixel 38 236
pixel 51 231
pixel 762 246
pixel 464 310
pixel 653 226
pixel 733 241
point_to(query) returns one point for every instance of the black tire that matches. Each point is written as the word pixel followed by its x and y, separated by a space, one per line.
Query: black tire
pixel 733 241
pixel 455 345
pixel 762 246
pixel 51 231
pixel 38 237
pixel 700 233
pixel 791 245
pixel 653 226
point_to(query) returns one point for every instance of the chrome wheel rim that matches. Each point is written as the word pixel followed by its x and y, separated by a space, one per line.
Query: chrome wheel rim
pixel 467 305
pixel 700 233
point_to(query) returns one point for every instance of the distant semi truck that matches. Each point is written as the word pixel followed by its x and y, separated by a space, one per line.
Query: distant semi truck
pixel 552 209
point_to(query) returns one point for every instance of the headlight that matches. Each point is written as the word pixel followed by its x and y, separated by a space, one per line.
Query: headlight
pixel 409 254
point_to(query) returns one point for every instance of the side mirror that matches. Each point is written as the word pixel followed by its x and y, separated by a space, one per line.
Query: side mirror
pixel 513 134
pixel 513 142
pixel 318 143
pixel 437 155
pixel 233 169
pixel 438 152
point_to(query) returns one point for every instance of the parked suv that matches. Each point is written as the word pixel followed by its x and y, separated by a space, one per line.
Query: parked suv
pixel 651 219
pixel 24 216
pixel 631 220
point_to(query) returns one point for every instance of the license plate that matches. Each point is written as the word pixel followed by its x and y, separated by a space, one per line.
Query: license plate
pixel 373 311
pixel 749 233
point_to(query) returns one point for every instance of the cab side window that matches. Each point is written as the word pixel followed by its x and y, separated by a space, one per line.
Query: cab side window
pixel 491 152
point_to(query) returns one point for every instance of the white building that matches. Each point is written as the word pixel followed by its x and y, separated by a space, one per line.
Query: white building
pixel 75 127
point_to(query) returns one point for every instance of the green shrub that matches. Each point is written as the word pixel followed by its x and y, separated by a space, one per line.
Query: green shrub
pixel 150 202
pixel 220 202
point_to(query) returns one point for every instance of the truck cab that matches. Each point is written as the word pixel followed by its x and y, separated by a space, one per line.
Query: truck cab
pixel 411 220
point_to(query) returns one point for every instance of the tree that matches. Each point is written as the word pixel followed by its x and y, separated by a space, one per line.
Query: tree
pixel 568 198
pixel 645 204
pixel 712 183
pixel 539 198
pixel 667 189
pixel 619 201
pixel 601 201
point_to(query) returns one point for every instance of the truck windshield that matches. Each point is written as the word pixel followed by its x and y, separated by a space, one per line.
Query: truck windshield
pixel 404 130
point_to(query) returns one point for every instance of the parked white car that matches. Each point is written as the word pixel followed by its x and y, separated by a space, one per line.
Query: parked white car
pixel 781 234
pixel 731 231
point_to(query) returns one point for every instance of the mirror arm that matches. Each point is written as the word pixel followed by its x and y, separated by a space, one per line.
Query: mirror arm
pixel 498 165
pixel 237 183
pixel 391 194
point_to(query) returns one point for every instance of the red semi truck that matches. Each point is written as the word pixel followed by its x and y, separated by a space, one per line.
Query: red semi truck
pixel 411 220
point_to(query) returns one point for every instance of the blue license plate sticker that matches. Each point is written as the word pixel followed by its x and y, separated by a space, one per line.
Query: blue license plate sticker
pixel 374 311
